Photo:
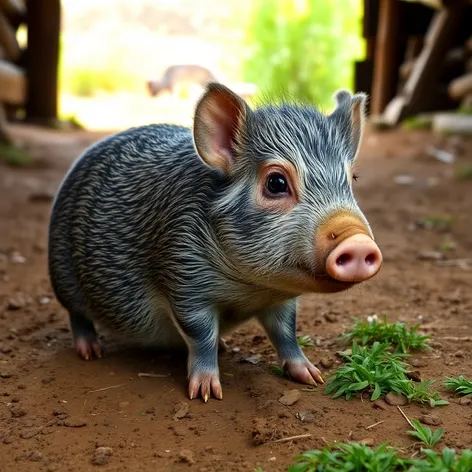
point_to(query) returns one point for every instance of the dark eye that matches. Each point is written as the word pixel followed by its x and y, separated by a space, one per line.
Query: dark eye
pixel 277 183
pixel 355 177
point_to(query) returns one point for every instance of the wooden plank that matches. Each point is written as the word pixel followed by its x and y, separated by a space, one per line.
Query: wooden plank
pixel 4 135
pixel 420 86
pixel 385 63
pixel 42 57
pixel 8 39
pixel 16 7
pixel 461 87
pixel 12 84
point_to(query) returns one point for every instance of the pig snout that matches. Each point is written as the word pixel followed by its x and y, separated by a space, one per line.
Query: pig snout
pixel 355 259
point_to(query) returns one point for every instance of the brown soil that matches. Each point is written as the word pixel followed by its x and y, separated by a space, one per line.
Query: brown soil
pixel 60 413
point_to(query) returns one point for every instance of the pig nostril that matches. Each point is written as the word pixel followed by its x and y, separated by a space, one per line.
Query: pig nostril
pixel 371 259
pixel 343 259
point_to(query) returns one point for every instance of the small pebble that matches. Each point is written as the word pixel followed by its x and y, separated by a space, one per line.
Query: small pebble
pixel 123 404
pixel 465 401
pixel 306 416
pixel 326 362
pixel 35 456
pixel 378 406
pixel 180 410
pixel 30 433
pixel 101 456
pixel 290 397
pixel 75 422
pixel 430 419
pixel 394 399
pixel 18 412
pixel 186 456
pixel 367 441
pixel 418 363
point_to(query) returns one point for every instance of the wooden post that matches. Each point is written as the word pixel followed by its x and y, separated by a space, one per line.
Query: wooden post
pixel 385 63
pixel 42 57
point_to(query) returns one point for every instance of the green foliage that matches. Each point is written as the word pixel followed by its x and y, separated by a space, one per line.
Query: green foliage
pixel 439 222
pixel 447 461
pixel 305 341
pixel 461 385
pixel 354 457
pixel 398 334
pixel 347 457
pixel 372 369
pixel 418 122
pixel 14 156
pixel 378 371
pixel 418 392
pixel 303 48
pixel 464 172
pixel 425 434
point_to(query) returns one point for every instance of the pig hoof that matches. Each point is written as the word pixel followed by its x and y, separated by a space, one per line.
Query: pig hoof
pixel 205 384
pixel 304 372
pixel 88 348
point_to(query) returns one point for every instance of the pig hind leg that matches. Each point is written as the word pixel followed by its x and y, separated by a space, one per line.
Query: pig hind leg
pixel 280 326
pixel 85 337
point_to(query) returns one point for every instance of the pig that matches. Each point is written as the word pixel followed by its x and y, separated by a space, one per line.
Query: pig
pixel 178 75
pixel 172 237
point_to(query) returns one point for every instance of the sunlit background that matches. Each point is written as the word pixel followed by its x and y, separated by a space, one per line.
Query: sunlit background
pixel 111 48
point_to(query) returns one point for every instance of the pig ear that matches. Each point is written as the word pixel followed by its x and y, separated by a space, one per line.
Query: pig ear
pixel 350 113
pixel 220 117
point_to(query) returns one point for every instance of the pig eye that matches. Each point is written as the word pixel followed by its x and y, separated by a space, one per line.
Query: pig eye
pixel 277 183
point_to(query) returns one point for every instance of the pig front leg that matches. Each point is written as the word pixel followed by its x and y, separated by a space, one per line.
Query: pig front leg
pixel 280 325
pixel 200 331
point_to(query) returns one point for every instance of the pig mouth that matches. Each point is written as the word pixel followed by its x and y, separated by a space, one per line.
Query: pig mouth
pixel 322 282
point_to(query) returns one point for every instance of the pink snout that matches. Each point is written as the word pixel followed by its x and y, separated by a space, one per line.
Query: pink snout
pixel 354 260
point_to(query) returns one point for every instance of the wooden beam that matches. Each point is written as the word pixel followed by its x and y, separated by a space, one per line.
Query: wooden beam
pixel 16 7
pixel 42 57
pixel 385 63
pixel 12 84
pixel 8 39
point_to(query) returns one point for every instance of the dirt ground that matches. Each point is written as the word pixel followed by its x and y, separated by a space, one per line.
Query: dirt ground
pixel 56 409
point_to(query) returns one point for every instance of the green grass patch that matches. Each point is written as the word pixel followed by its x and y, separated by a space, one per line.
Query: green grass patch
pixel 464 172
pixel 378 369
pixel 439 222
pixel 305 341
pixel 14 156
pixel 397 334
pixel 460 385
pixel 355 457
pixel 419 122
pixel 426 435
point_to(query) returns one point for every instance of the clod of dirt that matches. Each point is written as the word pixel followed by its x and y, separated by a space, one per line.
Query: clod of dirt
pixel 41 196
pixel 180 410
pixel 430 256
pixel 75 422
pixel 459 354
pixel 290 397
pixel 414 375
pixel 394 399
pixel 430 419
pixel 326 362
pixel 18 412
pixel 60 412
pixel 186 457
pixel 5 375
pixel 330 317
pixel 465 401
pixel 378 406
pixel 30 433
pixel 257 339
pixel 263 431
pixel 367 441
pixel 16 303
pixel 418 363
pixel 101 456
pixel 123 404
pixel 35 456
pixel 306 416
